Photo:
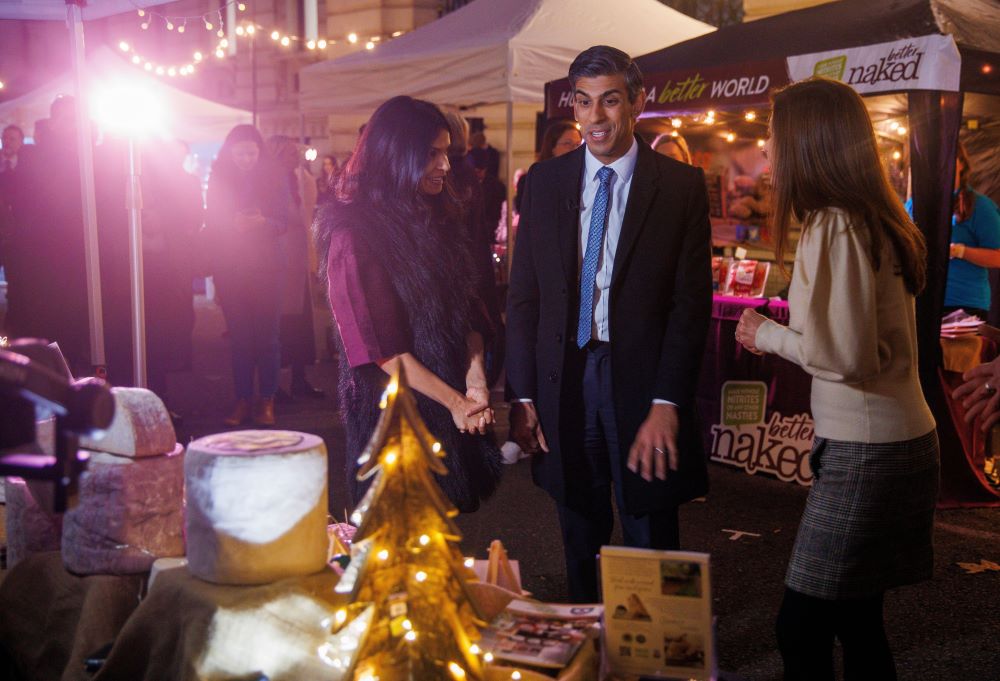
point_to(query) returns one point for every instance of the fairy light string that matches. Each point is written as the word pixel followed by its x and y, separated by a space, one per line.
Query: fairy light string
pixel 213 21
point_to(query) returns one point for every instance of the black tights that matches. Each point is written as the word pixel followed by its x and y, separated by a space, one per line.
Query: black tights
pixel 807 627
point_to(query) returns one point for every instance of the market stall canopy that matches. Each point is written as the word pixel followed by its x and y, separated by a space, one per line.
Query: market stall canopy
pixel 186 116
pixel 56 9
pixel 490 51
pixel 753 58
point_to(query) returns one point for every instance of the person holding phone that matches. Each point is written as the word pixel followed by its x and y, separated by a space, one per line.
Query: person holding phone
pixel 247 213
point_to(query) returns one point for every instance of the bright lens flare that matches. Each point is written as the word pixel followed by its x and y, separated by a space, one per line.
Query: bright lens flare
pixel 129 108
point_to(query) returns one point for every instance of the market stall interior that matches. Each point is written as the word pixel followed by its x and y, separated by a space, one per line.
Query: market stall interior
pixel 928 72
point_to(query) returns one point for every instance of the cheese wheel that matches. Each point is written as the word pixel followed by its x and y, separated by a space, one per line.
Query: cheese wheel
pixel 30 528
pixel 256 506
pixel 141 426
pixel 129 513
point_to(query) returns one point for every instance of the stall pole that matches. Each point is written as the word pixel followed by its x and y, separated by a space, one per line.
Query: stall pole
pixel 134 204
pixel 74 19
pixel 510 186
pixel 935 118
pixel 253 66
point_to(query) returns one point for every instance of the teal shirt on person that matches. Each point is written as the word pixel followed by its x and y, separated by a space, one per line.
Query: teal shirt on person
pixel 968 285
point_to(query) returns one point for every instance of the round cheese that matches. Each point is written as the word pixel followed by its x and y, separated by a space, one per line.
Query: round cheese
pixel 256 506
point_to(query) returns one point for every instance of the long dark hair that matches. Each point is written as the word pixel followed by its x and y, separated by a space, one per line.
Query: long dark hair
pixel 965 199
pixel 390 159
pixel 223 167
pixel 824 155
pixel 231 190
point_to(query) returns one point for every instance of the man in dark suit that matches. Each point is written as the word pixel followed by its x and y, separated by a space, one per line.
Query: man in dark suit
pixel 608 309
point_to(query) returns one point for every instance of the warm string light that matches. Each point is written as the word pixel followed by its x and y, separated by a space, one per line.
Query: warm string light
pixel 172 22
pixel 169 70
pixel 286 39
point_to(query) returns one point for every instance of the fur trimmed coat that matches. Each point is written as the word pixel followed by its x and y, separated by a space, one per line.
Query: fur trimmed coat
pixel 397 288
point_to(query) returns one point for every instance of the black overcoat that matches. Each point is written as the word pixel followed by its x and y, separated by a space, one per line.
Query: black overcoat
pixel 660 305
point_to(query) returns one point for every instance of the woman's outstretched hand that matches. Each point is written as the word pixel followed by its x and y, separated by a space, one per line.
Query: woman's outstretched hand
pixel 746 330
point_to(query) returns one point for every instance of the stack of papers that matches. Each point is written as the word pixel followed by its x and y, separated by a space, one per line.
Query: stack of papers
pixel 958 323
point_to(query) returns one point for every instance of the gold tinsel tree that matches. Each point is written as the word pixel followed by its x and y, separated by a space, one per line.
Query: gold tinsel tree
pixel 410 615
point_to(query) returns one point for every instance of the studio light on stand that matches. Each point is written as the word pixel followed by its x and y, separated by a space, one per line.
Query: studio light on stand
pixel 132 110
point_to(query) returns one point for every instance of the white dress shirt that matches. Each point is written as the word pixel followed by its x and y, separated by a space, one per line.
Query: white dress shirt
pixel 621 182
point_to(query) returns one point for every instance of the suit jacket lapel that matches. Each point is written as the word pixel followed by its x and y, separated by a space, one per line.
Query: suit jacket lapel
pixel 640 197
pixel 569 214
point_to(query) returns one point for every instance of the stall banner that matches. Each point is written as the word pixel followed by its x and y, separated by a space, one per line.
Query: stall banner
pixel 747 438
pixel 692 90
pixel 930 62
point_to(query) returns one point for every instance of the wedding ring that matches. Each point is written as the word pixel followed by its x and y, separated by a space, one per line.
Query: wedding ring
pixel 657 449
pixel 989 389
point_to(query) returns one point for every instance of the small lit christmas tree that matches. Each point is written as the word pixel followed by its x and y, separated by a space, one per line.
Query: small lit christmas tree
pixel 410 614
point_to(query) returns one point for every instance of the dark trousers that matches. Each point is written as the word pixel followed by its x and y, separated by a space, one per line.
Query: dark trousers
pixel 807 627
pixel 587 526
pixel 251 304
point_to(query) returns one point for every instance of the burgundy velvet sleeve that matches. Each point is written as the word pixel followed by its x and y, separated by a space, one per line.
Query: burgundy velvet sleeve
pixel 371 319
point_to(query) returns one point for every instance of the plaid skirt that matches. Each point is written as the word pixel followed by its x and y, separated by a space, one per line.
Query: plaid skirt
pixel 868 520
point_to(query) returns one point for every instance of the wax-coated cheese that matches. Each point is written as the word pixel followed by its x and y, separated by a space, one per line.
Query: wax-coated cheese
pixel 256 506
pixel 141 426
pixel 30 528
pixel 130 512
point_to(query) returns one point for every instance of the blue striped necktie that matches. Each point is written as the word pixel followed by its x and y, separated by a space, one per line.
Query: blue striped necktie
pixel 588 272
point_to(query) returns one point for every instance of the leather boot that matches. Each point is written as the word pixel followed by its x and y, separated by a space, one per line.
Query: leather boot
pixel 263 414
pixel 239 415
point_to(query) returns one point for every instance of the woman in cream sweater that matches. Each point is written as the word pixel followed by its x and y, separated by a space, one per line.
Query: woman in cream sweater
pixel 860 261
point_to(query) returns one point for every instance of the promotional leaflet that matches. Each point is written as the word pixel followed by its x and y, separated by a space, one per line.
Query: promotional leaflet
pixel 658 613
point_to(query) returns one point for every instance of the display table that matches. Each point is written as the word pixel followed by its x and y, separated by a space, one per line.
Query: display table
pixel 51 620
pixel 185 629
pixel 726 360
pixel 788 388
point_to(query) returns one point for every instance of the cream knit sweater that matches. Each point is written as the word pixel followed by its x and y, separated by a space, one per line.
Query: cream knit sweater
pixel 854 330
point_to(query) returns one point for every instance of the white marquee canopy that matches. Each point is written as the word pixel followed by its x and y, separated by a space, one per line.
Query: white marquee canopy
pixel 491 51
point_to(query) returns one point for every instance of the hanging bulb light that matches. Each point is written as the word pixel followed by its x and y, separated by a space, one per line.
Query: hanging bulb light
pixel 208 25
pixel 352 38
pixel 170 25
pixel 241 7
pixel 136 59
pixel 141 12
pixel 198 56
pixel 251 29
pixel 123 46
pixel 286 41
pixel 369 45
pixel 182 27
pixel 144 25
pixel 240 30
pixel 311 44
pixel 321 44
pixel 275 35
